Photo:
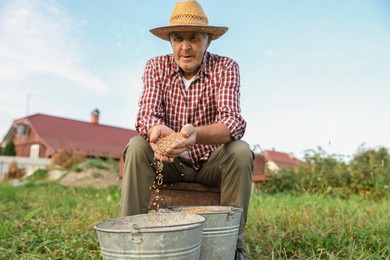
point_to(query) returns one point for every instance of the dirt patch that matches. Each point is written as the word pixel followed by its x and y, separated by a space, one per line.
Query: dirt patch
pixel 91 177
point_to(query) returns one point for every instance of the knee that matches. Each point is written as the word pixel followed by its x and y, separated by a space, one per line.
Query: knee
pixel 137 141
pixel 241 152
pixel 240 162
pixel 136 144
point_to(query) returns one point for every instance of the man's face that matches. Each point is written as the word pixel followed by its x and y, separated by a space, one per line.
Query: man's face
pixel 188 50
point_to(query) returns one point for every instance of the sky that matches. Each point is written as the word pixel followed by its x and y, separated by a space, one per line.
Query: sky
pixel 314 74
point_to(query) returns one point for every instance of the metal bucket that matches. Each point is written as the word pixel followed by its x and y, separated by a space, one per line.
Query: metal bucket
pixel 219 232
pixel 151 236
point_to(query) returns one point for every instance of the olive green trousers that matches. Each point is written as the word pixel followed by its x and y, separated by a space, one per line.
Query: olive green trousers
pixel 229 168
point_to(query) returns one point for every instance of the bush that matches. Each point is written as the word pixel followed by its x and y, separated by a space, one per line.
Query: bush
pixel 66 160
pixel 9 149
pixel 14 172
pixel 370 171
pixel 368 174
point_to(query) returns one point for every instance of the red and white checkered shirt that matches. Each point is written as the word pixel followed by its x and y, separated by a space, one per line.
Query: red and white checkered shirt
pixel 213 97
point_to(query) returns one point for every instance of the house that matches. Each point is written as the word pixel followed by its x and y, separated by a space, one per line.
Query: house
pixel 41 136
pixel 276 161
pixel 271 161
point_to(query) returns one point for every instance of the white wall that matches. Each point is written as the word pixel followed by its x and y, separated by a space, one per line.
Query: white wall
pixel 29 164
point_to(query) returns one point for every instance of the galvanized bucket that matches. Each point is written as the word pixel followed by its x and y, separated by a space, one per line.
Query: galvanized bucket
pixel 173 235
pixel 219 232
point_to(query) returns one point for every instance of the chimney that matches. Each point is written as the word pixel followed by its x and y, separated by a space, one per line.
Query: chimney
pixel 95 116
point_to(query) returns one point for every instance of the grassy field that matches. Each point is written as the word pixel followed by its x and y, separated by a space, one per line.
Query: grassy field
pixel 308 226
pixel 49 221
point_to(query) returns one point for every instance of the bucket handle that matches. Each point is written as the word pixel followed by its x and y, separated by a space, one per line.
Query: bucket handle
pixel 136 235
pixel 230 214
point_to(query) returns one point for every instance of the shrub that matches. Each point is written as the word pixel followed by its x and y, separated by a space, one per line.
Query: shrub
pixel 9 149
pixel 14 172
pixel 368 174
pixel 370 171
pixel 66 160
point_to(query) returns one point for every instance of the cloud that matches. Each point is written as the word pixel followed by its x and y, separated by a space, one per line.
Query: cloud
pixel 40 38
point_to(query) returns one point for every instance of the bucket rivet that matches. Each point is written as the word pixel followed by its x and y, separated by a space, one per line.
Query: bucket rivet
pixel 137 240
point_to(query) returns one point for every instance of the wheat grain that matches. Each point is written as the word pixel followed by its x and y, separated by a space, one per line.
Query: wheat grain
pixel 167 141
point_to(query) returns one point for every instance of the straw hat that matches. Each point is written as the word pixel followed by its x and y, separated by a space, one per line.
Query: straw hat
pixel 188 16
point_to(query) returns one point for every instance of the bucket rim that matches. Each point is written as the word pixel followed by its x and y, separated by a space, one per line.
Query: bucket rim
pixel 148 229
pixel 225 209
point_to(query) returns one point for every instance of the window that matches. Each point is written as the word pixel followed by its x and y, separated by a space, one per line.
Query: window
pixel 21 129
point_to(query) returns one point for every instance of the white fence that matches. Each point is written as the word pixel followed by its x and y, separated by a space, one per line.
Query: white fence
pixel 27 163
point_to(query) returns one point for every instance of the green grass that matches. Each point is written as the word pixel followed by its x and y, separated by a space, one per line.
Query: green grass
pixel 310 226
pixel 49 221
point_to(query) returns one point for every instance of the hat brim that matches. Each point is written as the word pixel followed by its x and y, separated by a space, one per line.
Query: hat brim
pixel 164 32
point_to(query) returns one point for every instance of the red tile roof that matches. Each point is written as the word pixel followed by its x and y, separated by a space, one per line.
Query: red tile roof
pixel 79 137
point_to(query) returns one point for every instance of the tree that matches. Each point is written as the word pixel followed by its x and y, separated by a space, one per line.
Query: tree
pixel 9 149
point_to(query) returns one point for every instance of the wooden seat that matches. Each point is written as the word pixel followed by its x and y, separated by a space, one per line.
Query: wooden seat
pixel 183 194
pixel 191 194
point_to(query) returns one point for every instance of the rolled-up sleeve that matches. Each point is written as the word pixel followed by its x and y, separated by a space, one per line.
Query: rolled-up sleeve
pixel 150 111
pixel 229 109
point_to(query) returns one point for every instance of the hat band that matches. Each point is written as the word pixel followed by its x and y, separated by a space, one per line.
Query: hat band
pixel 190 19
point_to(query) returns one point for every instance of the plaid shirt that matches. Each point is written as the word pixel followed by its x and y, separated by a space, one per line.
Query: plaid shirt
pixel 213 97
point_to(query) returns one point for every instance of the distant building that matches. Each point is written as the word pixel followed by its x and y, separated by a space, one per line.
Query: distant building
pixel 276 161
pixel 41 136
pixel 271 161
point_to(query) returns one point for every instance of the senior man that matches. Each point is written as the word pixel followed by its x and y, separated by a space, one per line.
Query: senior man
pixel 197 94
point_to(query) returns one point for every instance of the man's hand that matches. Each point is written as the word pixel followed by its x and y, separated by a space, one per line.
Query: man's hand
pixel 187 142
pixel 188 133
pixel 156 132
